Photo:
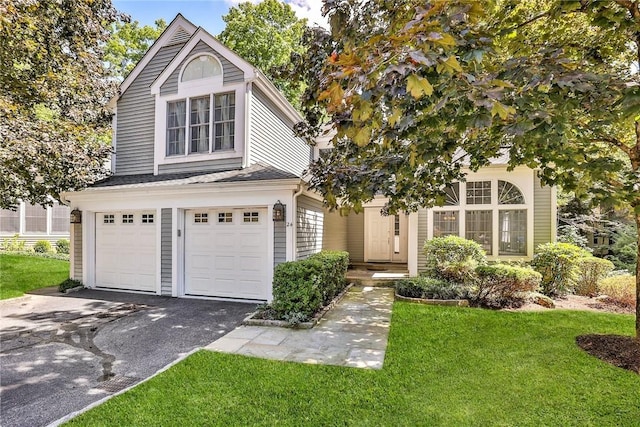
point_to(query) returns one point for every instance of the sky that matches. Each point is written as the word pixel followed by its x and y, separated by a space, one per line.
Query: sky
pixel 205 13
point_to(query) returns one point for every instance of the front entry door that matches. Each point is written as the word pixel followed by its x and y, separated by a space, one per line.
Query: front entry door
pixel 377 238
pixel 385 237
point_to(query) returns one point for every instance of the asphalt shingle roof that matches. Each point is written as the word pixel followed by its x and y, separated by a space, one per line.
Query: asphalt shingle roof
pixel 255 172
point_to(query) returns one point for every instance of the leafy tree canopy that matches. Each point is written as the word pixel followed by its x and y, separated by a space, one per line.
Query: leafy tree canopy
pixel 128 43
pixel 418 90
pixel 53 92
pixel 267 34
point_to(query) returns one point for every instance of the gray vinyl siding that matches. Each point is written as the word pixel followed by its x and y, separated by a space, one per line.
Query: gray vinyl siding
pixel 202 166
pixel 309 227
pixel 76 251
pixel 542 214
pixel 279 242
pixel 181 36
pixel 334 237
pixel 136 116
pixel 271 138
pixel 422 237
pixel 166 237
pixel 231 73
pixel 355 237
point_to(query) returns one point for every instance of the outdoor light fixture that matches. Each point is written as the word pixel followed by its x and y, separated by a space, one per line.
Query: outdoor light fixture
pixel 278 211
pixel 76 216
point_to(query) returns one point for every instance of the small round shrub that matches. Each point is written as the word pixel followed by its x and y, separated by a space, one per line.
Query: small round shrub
pixel 557 263
pixel 453 258
pixel 42 246
pixel 591 270
pixel 62 246
pixel 502 285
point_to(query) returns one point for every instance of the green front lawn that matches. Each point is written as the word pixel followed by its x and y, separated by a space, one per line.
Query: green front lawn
pixel 444 366
pixel 23 273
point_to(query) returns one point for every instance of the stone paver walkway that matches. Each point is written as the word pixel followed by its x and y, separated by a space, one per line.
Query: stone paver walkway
pixel 354 333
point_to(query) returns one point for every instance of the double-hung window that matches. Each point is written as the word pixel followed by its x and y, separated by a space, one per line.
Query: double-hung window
pixel 204 131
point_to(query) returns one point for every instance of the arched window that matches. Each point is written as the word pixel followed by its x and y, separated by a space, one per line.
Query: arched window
pixel 201 67
pixel 509 194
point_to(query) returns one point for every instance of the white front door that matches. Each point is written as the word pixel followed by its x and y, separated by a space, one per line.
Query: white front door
pixel 126 250
pixel 226 253
pixel 385 237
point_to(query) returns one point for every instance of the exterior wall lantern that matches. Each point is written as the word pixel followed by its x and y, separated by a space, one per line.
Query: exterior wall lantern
pixel 76 216
pixel 279 213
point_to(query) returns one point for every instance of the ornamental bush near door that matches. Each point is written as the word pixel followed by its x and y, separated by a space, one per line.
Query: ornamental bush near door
pixel 453 258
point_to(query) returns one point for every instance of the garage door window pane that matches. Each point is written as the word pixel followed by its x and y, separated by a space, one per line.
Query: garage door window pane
pixel 60 218
pixel 108 219
pixel 127 218
pixel 147 218
pixel 479 228
pixel 9 221
pixel 35 219
pixel 225 217
pixel 251 217
pixel 201 218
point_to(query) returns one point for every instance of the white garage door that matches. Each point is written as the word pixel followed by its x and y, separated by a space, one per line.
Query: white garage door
pixel 126 250
pixel 226 253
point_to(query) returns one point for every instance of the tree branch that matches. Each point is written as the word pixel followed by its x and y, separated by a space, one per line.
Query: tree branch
pixel 615 142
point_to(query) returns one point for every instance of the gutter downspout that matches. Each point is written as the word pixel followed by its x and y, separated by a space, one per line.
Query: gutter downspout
pixel 294 221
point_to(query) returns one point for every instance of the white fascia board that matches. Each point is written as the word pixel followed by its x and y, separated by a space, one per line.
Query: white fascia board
pixel 202 35
pixel 277 97
pixel 178 22
pixel 168 191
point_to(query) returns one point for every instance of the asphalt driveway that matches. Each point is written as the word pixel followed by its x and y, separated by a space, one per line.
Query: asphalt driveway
pixel 59 353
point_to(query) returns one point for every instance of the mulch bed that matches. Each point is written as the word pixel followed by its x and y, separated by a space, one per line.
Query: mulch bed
pixel 620 351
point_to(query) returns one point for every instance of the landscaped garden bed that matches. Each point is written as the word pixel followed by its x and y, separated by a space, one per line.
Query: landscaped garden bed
pixel 304 290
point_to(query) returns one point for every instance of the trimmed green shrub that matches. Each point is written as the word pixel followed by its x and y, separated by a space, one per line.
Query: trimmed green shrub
pixel 430 288
pixel 63 246
pixel 501 285
pixel 13 244
pixel 590 271
pixel 301 288
pixel 42 246
pixel 334 268
pixel 453 258
pixel 557 263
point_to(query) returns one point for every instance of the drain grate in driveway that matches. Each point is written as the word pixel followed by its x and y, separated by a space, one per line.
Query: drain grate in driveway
pixel 117 383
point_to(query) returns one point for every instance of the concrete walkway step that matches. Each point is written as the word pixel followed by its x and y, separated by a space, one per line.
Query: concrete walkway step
pixel 354 333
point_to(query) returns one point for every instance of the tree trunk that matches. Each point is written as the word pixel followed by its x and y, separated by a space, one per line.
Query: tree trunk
pixel 637 215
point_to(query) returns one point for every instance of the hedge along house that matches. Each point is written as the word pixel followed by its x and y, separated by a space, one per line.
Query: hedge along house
pixel 207 195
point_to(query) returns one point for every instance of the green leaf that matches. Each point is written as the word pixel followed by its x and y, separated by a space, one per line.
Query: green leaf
pixel 362 136
pixel 502 110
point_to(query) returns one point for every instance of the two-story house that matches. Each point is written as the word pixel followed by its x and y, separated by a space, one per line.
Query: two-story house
pixel 206 167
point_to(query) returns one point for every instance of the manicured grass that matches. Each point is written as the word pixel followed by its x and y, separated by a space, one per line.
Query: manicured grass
pixel 23 273
pixel 444 366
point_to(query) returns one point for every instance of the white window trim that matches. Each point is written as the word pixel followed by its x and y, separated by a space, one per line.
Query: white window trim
pixel 199 83
pixel 194 91
pixel 522 179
